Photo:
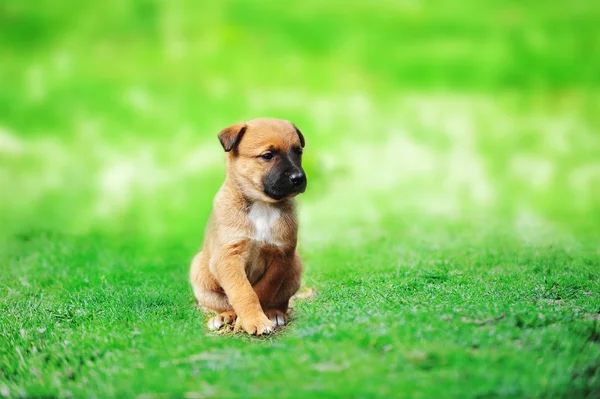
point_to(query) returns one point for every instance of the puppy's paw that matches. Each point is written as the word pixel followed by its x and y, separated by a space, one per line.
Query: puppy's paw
pixel 257 325
pixel 277 317
pixel 221 319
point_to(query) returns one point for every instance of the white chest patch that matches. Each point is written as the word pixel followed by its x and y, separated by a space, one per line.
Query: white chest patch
pixel 264 216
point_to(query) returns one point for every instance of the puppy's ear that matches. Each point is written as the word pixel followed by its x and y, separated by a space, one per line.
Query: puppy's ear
pixel 230 137
pixel 300 135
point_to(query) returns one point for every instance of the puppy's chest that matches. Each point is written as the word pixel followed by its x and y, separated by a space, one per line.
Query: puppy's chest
pixel 265 221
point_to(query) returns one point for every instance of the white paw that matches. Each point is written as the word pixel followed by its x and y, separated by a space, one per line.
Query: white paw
pixel 277 317
pixel 220 320
pixel 215 323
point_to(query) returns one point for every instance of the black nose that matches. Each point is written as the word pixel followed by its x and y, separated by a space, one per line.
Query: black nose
pixel 297 179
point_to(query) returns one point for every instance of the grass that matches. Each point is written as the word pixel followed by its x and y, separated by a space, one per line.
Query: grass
pixel 497 318
pixel 450 228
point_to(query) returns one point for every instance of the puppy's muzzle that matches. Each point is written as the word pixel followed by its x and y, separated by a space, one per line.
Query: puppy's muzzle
pixel 286 184
pixel 298 181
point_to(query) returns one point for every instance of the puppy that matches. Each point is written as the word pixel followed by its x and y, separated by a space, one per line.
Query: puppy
pixel 249 267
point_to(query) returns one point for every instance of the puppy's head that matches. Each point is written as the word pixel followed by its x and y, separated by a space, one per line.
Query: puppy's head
pixel 265 158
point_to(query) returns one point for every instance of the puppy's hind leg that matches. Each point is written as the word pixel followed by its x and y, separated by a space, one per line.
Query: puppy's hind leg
pixel 218 302
pixel 222 319
pixel 207 298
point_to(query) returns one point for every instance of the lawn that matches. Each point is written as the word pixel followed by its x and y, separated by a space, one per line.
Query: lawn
pixel 450 230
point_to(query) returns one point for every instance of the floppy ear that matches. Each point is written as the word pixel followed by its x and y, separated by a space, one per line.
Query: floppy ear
pixel 300 135
pixel 230 137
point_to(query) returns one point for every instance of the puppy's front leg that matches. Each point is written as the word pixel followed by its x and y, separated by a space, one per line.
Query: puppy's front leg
pixel 229 269
pixel 271 281
pixel 267 287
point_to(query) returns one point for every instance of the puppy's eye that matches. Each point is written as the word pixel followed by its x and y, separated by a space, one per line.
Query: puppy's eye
pixel 267 156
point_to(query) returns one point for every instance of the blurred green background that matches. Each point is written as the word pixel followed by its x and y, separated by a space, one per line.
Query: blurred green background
pixel 432 128
pixel 108 111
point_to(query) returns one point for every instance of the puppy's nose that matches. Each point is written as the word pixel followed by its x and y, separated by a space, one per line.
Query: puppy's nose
pixel 297 179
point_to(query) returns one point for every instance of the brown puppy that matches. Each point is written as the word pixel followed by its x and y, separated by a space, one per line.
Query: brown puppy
pixel 249 267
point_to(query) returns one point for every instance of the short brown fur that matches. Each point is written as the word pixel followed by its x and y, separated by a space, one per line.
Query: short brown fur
pixel 239 273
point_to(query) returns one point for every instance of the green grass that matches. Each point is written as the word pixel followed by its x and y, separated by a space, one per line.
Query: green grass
pixel 95 315
pixel 451 227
